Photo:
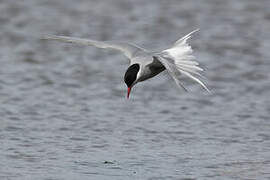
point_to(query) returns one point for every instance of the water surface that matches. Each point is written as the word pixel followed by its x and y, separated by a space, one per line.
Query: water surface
pixel 64 114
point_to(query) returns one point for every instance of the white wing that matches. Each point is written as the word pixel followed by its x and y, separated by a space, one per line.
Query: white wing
pixel 172 70
pixel 128 49
pixel 179 60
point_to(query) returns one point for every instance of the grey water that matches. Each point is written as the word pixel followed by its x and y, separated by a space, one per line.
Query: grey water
pixel 64 112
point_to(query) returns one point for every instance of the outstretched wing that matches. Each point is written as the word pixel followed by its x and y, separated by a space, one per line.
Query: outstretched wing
pixel 179 60
pixel 129 50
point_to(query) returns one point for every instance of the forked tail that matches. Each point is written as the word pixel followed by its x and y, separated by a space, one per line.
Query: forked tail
pixel 180 54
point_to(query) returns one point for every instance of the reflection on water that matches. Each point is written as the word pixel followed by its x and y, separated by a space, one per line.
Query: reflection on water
pixel 63 109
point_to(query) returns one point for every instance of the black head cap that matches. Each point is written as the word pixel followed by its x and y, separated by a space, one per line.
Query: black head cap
pixel 131 74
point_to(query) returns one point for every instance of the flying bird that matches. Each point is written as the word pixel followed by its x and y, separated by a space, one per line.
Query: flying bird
pixel 144 64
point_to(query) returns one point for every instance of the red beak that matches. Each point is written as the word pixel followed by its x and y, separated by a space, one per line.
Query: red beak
pixel 128 92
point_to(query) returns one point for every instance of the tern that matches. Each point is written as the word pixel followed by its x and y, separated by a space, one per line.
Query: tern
pixel 144 64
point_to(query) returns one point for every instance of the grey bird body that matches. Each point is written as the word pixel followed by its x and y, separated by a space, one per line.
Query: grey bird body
pixel 144 64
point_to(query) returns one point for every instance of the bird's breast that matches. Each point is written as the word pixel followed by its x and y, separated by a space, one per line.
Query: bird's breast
pixel 150 71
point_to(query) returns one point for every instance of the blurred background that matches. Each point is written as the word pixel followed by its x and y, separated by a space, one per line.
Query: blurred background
pixel 64 112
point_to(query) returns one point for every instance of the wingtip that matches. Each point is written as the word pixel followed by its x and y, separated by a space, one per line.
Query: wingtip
pixel 186 37
pixel 43 38
pixel 192 32
pixel 196 30
pixel 48 37
pixel 208 90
